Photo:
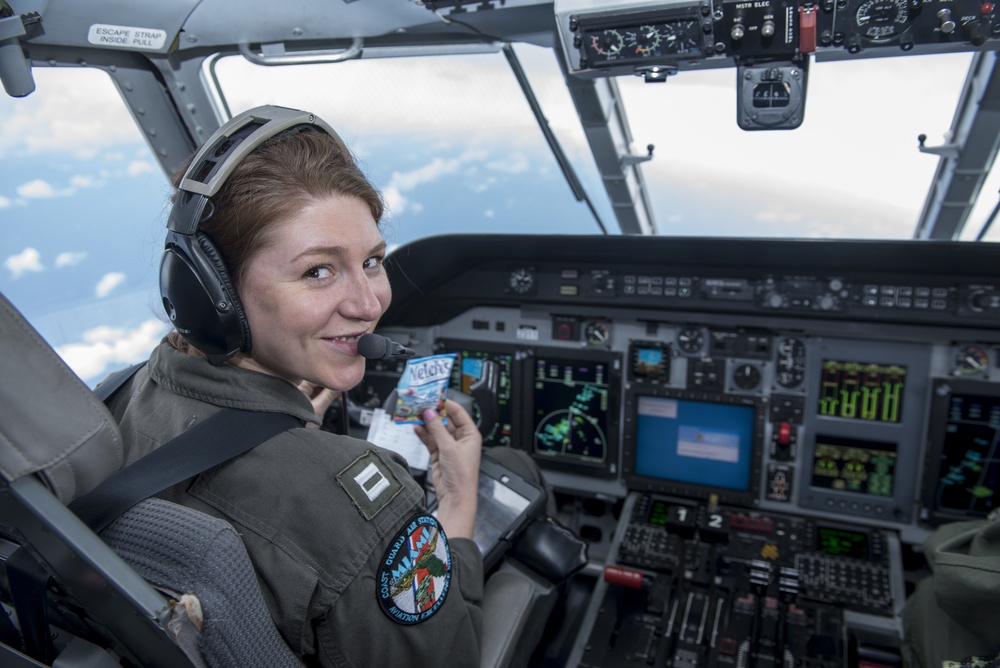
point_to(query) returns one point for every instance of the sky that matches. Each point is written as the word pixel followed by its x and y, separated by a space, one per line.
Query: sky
pixel 454 148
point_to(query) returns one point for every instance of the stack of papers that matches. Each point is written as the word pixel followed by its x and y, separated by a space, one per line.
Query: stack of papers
pixel 400 438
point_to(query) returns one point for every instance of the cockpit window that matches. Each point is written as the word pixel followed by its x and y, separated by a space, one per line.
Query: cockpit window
pixel 81 211
pixel 851 170
pixel 455 147
pixel 450 140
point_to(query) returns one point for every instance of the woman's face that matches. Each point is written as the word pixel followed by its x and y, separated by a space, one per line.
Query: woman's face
pixel 315 287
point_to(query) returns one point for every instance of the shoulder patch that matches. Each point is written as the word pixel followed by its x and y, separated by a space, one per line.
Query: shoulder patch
pixel 415 572
pixel 369 482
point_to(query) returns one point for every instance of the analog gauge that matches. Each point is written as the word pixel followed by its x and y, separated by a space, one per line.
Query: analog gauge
pixel 644 40
pixel 679 37
pixel 608 42
pixel 596 333
pixel 746 376
pixel 521 280
pixel 791 363
pixel 691 340
pixel 881 20
pixel 971 361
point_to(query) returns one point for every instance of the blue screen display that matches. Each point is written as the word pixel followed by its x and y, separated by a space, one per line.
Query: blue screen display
pixel 694 442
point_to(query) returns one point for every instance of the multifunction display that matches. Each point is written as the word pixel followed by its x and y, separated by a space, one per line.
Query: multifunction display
pixel 862 391
pixel 969 461
pixel 854 465
pixel 571 398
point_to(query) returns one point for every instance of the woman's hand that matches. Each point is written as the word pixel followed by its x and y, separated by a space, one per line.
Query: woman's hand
pixel 455 450
pixel 320 397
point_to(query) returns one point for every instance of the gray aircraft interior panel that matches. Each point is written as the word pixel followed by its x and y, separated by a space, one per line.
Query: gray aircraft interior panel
pixel 865 427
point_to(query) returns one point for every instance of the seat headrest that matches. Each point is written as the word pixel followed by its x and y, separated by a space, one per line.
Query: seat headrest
pixel 52 425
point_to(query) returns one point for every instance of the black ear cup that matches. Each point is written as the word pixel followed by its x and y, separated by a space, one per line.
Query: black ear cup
pixel 199 298
pixel 222 275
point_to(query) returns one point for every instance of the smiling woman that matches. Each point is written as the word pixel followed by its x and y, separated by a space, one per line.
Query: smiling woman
pixel 81 213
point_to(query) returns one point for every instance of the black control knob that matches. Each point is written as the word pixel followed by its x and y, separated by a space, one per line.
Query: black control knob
pixel 977 301
pixel 983 300
pixel 975 32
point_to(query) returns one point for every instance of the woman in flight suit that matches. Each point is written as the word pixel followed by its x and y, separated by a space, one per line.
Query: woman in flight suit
pixel 354 570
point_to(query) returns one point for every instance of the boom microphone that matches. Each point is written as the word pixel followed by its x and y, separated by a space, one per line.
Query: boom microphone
pixel 378 347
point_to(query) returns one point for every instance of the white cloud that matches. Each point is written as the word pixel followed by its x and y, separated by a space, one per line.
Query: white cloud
pixel 81 181
pixel 69 259
pixel 76 110
pixel 514 164
pixel 106 346
pixel 777 213
pixel 4 202
pixel 437 168
pixel 108 283
pixel 394 199
pixel 27 260
pixel 484 185
pixel 42 189
pixel 490 213
pixel 402 182
pixel 137 167
pixel 39 188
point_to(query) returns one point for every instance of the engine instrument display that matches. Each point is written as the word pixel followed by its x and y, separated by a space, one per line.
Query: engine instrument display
pixel 862 391
pixel 854 465
pixel 654 38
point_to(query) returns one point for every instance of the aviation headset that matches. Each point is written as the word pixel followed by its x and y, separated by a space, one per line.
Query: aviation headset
pixel 195 286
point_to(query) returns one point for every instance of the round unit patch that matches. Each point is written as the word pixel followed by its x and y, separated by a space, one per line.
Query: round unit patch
pixel 415 573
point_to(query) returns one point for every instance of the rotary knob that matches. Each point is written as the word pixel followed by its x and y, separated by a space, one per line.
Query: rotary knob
pixel 774 300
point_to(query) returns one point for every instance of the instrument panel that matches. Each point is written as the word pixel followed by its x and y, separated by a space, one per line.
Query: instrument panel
pixel 637 36
pixel 774 423
pixel 776 375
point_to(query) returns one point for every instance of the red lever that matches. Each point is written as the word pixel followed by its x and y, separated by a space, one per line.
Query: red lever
pixel 784 433
pixel 625 577
pixel 807 29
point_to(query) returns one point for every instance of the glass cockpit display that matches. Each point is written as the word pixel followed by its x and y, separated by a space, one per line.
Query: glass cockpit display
pixel 694 441
pixel 862 391
pixel 964 455
pixel 468 373
pixel 679 443
pixel 649 361
pixel 854 465
pixel 574 400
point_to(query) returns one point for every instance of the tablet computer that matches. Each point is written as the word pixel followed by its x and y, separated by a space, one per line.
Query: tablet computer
pixel 505 505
